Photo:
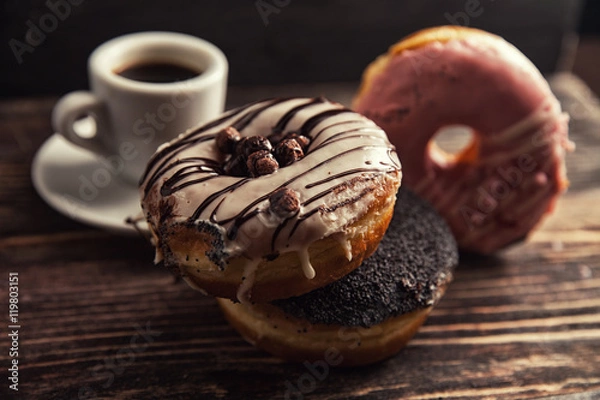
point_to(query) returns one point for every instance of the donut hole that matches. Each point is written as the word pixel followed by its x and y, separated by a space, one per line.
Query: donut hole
pixel 451 142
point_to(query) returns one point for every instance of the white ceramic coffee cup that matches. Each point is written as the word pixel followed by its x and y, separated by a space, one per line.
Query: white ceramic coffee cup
pixel 132 118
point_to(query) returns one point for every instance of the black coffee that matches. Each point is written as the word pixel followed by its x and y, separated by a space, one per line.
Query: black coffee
pixel 158 72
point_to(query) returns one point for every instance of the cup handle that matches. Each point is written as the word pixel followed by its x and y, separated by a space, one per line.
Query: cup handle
pixel 75 106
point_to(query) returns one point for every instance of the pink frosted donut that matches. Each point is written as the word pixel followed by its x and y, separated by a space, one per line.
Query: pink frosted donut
pixel 497 189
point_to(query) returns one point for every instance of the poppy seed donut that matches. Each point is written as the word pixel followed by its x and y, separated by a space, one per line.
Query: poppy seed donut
pixel 369 314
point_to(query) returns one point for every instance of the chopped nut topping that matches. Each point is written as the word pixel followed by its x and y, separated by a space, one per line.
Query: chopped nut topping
pixel 302 140
pixel 284 202
pixel 253 144
pixel 287 152
pixel 227 139
pixel 243 160
pixel 261 163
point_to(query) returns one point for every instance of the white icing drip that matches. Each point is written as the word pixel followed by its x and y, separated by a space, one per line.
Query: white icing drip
pixel 243 292
pixel 346 245
pixel 158 255
pixel 193 285
pixel 307 267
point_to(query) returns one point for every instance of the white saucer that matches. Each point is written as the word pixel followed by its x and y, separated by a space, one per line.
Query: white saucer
pixel 74 182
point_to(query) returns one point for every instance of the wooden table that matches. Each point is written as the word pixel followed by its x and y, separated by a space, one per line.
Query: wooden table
pixel 99 320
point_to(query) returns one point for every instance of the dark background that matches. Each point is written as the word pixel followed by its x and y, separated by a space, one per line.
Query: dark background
pixel 299 41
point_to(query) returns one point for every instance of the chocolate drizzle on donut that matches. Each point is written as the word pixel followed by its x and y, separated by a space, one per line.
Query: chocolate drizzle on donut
pixel 283 121
pixel 316 139
pixel 169 187
pixel 196 137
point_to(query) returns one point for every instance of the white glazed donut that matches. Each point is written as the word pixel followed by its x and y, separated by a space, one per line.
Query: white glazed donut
pixel 272 232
